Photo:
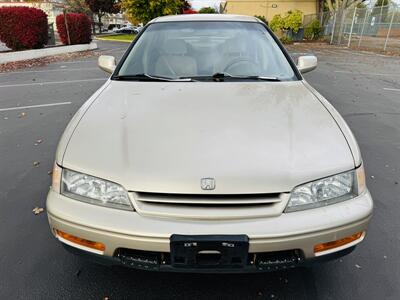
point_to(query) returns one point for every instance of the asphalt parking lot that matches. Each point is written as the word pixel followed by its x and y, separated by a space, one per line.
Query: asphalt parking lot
pixel 35 106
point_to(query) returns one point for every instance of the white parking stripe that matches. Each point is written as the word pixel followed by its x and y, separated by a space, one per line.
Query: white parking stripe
pixel 113 49
pixel 389 89
pixel 34 106
pixel 53 82
pixel 339 63
pixel 373 74
pixel 75 62
pixel 46 71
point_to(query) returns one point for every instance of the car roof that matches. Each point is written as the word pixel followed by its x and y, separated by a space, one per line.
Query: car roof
pixel 204 17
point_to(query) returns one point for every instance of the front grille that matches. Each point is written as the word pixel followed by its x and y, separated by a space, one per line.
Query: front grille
pixel 208 200
pixel 278 260
pixel 145 260
pixel 208 206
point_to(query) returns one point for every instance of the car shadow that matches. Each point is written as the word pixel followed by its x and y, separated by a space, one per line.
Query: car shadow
pixel 298 283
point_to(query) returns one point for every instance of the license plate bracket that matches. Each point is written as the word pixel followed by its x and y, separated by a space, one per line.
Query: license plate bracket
pixel 209 251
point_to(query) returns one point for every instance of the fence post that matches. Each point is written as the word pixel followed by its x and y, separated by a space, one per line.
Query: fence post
pixel 380 17
pixel 333 28
pixel 362 29
pixel 351 29
pixel 390 28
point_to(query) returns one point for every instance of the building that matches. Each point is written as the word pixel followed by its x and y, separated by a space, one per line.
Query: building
pixel 52 9
pixel 112 20
pixel 269 8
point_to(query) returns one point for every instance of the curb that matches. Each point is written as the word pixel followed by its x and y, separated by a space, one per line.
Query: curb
pixel 113 40
pixel 39 53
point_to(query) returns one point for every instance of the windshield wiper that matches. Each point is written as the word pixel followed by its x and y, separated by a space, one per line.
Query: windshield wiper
pixel 222 76
pixel 147 77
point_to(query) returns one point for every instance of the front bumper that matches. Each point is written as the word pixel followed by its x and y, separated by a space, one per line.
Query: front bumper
pixel 148 265
pixel 296 231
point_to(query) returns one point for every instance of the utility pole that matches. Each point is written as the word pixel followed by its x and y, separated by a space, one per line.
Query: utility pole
pixel 66 27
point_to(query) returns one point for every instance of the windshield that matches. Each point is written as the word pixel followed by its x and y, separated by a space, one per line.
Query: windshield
pixel 202 49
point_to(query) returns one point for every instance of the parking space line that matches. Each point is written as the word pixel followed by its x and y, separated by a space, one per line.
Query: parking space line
pixel 51 70
pixel 53 82
pixel 75 62
pixel 114 49
pixel 34 106
pixel 339 63
pixel 373 74
pixel 390 89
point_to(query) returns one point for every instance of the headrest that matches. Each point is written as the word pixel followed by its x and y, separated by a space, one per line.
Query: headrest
pixel 234 46
pixel 175 47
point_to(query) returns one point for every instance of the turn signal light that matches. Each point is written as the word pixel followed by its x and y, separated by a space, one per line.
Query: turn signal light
pixel 338 243
pixel 56 178
pixel 81 242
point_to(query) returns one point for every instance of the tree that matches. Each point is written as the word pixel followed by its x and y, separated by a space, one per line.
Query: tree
pixel 79 28
pixel 146 10
pixel 187 8
pixel 102 7
pixel 292 20
pixel 77 6
pixel 381 10
pixel 340 5
pixel 131 19
pixel 380 3
pixel 207 10
pixel 186 5
pixel 262 18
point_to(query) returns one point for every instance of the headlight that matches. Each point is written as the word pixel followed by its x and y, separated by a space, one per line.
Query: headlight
pixel 94 190
pixel 327 190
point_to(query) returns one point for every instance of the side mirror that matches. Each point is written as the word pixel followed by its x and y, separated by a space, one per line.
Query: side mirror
pixel 107 63
pixel 307 63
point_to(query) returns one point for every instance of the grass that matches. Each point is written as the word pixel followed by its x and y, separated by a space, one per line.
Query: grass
pixel 118 37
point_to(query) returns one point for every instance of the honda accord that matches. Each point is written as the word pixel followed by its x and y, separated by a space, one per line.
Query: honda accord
pixel 207 151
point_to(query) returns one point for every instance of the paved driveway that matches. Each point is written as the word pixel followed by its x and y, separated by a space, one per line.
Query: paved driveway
pixel 36 104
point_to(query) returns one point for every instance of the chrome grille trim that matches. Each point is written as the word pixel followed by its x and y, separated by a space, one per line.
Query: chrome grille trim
pixel 215 212
pixel 207 199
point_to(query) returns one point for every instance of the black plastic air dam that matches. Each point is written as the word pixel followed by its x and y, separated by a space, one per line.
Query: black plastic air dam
pixel 158 261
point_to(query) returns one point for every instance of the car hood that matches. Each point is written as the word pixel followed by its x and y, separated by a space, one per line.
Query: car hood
pixel 251 137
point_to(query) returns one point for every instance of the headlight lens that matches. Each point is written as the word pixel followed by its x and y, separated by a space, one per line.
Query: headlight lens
pixel 94 190
pixel 327 190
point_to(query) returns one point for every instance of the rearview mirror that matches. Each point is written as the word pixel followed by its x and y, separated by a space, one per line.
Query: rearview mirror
pixel 107 63
pixel 307 63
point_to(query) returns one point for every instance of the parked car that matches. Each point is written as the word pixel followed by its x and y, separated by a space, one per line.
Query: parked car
pixel 207 151
pixel 115 29
pixel 112 27
pixel 127 30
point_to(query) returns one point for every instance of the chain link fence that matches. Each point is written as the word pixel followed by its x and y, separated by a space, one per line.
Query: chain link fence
pixel 376 28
